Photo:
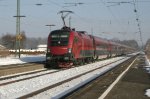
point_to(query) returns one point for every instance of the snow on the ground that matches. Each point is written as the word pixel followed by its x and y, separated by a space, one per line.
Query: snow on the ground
pixel 59 91
pixel 24 87
pixel 147 92
pixel 148 69
pixel 23 59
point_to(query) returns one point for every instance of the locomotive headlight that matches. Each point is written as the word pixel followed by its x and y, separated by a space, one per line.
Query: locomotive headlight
pixel 69 50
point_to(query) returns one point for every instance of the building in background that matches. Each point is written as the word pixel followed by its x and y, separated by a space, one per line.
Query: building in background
pixel 42 47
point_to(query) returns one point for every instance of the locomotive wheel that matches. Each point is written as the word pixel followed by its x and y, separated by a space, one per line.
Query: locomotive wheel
pixel 75 62
pixel 91 59
pixel 82 61
pixel 88 60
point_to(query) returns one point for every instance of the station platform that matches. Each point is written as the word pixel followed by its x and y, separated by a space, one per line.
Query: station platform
pixel 133 84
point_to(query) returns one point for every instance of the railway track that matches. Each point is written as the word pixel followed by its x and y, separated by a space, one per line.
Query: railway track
pixel 96 87
pixel 51 82
pixel 19 68
pixel 25 76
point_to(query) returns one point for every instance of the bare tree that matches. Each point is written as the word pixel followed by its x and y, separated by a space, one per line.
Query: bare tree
pixel 8 41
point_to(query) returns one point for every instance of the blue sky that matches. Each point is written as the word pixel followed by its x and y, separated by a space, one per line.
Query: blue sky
pixel 104 17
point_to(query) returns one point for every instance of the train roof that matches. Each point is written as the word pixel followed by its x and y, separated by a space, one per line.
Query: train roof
pixel 111 42
pixel 101 39
pixel 119 44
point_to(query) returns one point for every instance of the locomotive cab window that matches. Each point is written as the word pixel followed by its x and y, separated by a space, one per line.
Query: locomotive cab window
pixel 59 38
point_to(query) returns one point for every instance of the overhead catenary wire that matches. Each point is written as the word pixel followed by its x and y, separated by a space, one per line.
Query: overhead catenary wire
pixel 134 2
pixel 84 18
pixel 138 21
pixel 114 16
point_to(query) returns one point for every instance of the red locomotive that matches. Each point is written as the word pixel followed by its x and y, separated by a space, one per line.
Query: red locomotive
pixel 67 46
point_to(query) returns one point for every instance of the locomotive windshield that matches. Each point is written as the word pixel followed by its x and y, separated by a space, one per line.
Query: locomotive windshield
pixel 59 38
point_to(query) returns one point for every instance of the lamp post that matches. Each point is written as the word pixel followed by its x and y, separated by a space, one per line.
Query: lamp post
pixel 50 25
pixel 18 36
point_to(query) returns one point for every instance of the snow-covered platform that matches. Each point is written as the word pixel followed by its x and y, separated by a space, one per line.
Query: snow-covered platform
pixel 135 83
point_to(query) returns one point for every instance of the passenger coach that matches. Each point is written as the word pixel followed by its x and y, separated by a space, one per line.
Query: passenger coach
pixel 67 46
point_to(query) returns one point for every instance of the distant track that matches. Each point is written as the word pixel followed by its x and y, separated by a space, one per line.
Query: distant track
pixel 18 68
pixel 21 74
pixel 25 78
pixel 17 65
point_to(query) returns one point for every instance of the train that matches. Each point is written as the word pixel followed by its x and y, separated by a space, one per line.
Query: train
pixel 66 46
